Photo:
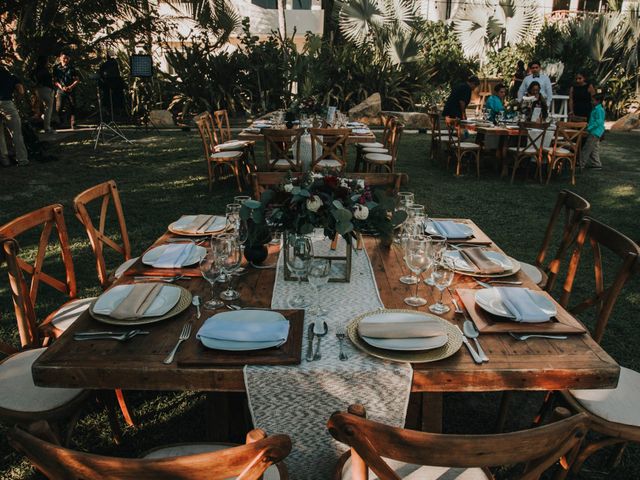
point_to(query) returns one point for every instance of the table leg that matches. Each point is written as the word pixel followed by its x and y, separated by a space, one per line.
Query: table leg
pixel 432 407
pixel 226 419
pixel 501 153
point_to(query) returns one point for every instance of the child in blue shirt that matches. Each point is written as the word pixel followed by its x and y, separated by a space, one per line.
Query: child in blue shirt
pixel 590 156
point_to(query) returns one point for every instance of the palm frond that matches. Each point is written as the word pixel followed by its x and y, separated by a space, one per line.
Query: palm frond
pixel 358 17
pixel 402 14
pixel 403 47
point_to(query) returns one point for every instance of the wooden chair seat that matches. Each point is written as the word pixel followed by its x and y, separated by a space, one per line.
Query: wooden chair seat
pixel 375 150
pixel 282 164
pixel 448 140
pixel 19 394
pixel 469 146
pixel 618 405
pixel 536 274
pixel 329 164
pixel 226 155
pixel 528 150
pixel 378 158
pixel 408 471
pixel 68 313
pixel 184 449
pixel 370 145
pixel 560 151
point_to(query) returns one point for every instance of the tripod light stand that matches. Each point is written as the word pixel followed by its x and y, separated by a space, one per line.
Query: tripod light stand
pixel 103 128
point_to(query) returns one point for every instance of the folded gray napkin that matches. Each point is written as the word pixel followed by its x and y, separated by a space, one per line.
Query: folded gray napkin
pixel 519 302
pixel 135 304
pixel 476 258
pixel 402 329
pixel 450 229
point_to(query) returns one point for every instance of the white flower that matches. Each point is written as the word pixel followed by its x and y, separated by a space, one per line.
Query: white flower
pixel 288 187
pixel 314 203
pixel 361 212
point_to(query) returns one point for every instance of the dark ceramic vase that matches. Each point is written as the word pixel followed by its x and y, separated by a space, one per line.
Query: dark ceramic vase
pixel 256 254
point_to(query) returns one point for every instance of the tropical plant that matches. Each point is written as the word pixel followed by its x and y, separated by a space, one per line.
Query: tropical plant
pixel 494 24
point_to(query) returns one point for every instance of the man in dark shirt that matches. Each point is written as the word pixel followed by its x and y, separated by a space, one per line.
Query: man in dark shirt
pixel 459 98
pixel 66 80
pixel 10 84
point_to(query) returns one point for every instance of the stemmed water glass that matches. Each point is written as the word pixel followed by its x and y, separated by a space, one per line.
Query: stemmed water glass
pixel 442 276
pixel 240 199
pixel 417 259
pixel 405 200
pixel 233 216
pixel 298 255
pixel 438 245
pixel 318 275
pixel 230 260
pixel 210 270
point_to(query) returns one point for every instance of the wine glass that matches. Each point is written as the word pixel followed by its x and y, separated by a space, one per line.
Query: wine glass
pixel 298 255
pixel 210 270
pixel 405 200
pixel 230 260
pixel 438 245
pixel 403 239
pixel 442 276
pixel 318 275
pixel 417 259
pixel 241 199
pixel 233 216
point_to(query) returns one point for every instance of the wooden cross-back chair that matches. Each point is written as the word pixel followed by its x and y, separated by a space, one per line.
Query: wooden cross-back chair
pixel 332 143
pixel 439 134
pixel 282 149
pixel 225 140
pixel 218 160
pixel 221 118
pixel 107 193
pixel 530 143
pixel 565 148
pixel 390 452
pixel 381 160
pixel 569 209
pixel 613 413
pixel 261 181
pixel 458 148
pixel 259 456
pixel 385 121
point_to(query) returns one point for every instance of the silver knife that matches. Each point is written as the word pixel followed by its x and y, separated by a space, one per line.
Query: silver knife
pixel 472 351
pixel 310 336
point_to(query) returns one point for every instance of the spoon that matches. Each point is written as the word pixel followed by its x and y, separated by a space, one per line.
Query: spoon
pixel 196 302
pixel 471 331
pixel 319 333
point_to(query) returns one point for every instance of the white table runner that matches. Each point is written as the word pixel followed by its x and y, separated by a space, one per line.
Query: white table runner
pixel 298 400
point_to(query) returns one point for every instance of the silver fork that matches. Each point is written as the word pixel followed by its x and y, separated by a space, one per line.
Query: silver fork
pixel 184 334
pixel 341 333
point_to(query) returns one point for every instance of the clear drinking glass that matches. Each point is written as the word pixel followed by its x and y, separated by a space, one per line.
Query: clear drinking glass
pixel 442 276
pixel 210 270
pixel 417 259
pixel 318 275
pixel 241 199
pixel 233 216
pixel 437 247
pixel 299 253
pixel 405 200
pixel 403 239
pixel 230 260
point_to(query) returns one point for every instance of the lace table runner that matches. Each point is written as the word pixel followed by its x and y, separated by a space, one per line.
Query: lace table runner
pixel 298 400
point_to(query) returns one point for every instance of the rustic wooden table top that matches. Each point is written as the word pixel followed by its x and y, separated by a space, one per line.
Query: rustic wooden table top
pixel 535 364
pixel 258 137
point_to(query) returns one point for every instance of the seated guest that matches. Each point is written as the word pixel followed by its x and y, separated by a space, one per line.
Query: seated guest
pixel 537 100
pixel 544 83
pixel 495 102
pixel 460 96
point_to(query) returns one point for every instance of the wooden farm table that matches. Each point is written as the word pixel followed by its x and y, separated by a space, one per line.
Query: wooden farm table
pixel 258 137
pixel 536 364
pixel 503 134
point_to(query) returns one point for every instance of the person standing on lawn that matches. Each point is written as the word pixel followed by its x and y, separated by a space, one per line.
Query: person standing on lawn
pixel 590 156
pixel 580 95
pixel 45 90
pixel 66 80
pixel 459 98
pixel 10 84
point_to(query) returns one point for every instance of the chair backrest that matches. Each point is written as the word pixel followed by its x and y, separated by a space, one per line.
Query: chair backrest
pixel 456 132
pixel 25 296
pixel 260 181
pixel 539 448
pixel 531 136
pixel 568 136
pixel 282 144
pixel 394 140
pixel 208 134
pixel 221 118
pixel 246 462
pixel 332 143
pixel 571 208
pixel 603 300
pixel 107 193
pixel 387 121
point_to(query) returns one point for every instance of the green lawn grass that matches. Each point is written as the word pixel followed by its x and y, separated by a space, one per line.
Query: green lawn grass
pixel 163 175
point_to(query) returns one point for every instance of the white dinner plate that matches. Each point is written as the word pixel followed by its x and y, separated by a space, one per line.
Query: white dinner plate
pixel 355 124
pixel 432 230
pixel 510 265
pixel 154 254
pixel 181 225
pixel 165 301
pixel 360 131
pixel 407 344
pixel 489 299
pixel 244 316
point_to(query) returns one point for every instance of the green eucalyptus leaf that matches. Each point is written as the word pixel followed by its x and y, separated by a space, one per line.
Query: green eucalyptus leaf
pixel 344 227
pixel 306 228
pixel 398 217
pixel 267 197
pixel 252 204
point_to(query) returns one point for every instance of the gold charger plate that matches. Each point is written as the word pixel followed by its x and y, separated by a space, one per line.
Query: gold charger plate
pixel 507 273
pixel 183 303
pixel 454 341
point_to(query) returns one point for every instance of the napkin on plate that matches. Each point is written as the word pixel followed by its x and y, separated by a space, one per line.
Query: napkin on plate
pixel 401 329
pixel 450 229
pixel 476 258
pixel 199 224
pixel 519 302
pixel 174 255
pixel 140 297
pixel 231 329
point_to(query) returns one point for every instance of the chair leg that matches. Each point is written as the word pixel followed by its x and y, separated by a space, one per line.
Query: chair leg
pixel 107 399
pixel 516 164
pixel 124 408
pixel 589 449
pixel 478 164
pixel 550 167
pixel 236 171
